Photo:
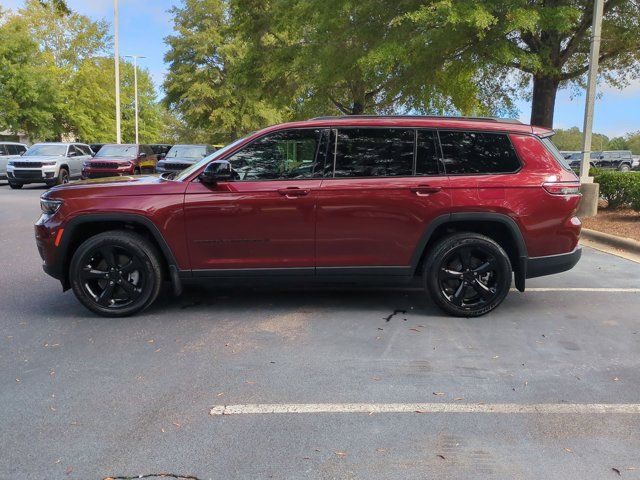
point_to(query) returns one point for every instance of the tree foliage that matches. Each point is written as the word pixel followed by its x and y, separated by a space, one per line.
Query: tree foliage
pixel 56 80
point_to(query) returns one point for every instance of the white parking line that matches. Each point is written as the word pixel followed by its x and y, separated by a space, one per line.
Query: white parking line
pixel 583 289
pixel 539 408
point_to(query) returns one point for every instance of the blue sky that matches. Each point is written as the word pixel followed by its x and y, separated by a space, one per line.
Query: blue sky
pixel 145 23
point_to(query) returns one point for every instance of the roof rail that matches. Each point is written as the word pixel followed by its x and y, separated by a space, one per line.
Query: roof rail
pixel 435 117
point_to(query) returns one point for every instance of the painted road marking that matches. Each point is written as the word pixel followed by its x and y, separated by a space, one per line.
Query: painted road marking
pixel 581 289
pixel 539 408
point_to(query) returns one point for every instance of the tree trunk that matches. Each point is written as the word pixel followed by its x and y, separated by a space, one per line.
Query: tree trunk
pixel 544 101
pixel 358 108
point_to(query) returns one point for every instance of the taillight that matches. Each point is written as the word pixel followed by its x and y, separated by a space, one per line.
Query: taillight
pixel 562 188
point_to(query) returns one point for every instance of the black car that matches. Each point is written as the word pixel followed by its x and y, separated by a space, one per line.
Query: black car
pixel 621 160
pixel 183 156
pixel 160 149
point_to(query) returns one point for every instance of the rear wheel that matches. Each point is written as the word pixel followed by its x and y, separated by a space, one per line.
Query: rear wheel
pixel 467 274
pixel 16 186
pixel 115 274
pixel 137 171
pixel 625 168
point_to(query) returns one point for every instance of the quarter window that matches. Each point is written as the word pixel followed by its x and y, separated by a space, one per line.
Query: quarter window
pixel 374 152
pixel 476 153
pixel 281 155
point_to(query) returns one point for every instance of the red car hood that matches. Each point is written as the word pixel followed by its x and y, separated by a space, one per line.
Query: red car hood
pixel 116 186
pixel 112 159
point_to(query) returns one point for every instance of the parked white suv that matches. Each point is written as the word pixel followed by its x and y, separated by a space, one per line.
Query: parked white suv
pixel 50 163
pixel 9 151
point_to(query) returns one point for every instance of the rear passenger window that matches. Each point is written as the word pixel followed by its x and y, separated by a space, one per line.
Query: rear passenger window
pixel 374 152
pixel 472 153
pixel 427 153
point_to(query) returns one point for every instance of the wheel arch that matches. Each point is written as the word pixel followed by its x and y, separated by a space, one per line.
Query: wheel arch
pixel 499 227
pixel 83 227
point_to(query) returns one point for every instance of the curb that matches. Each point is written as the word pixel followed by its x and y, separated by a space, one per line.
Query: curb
pixel 622 243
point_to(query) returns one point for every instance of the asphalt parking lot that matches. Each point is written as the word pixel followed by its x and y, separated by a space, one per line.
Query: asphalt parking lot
pixel 547 386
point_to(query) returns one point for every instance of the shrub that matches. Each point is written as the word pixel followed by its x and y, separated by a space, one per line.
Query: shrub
pixel 619 189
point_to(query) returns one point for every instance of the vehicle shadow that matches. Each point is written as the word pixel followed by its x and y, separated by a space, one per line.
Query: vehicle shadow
pixel 212 299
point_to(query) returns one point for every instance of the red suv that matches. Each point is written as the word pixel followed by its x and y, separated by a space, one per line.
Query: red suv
pixel 468 204
pixel 120 159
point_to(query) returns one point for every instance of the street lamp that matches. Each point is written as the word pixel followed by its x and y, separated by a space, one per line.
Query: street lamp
pixel 590 191
pixel 135 87
pixel 116 60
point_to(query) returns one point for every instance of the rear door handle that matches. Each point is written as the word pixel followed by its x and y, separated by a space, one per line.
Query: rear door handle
pixel 425 189
pixel 292 192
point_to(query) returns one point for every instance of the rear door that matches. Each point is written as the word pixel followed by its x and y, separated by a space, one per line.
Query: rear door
pixel 384 189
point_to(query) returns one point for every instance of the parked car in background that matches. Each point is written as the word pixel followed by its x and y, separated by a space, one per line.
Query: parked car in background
pixel 96 147
pixel 466 204
pixel 120 159
pixel 636 162
pixel 49 163
pixel 9 151
pixel 183 156
pixel 160 149
pixel 621 160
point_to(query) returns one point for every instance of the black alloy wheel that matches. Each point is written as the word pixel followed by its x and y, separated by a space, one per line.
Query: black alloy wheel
pixel 468 274
pixel 116 273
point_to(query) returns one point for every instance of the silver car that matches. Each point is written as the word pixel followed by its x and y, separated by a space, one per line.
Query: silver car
pixel 9 151
pixel 49 163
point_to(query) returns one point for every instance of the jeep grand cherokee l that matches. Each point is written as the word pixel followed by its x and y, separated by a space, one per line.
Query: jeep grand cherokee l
pixel 120 159
pixel 467 204
pixel 48 163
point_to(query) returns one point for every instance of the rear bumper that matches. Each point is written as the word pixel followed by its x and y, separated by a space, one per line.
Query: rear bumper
pixel 541 266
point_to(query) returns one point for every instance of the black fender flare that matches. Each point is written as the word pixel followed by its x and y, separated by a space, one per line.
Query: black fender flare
pixel 520 270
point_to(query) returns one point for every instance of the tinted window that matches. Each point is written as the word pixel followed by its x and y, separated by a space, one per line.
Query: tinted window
pixel 374 152
pixel 280 155
pixel 427 153
pixel 473 152
pixel 3 150
pixel 47 149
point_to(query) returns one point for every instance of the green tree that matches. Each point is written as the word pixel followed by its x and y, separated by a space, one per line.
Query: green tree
pixel 571 140
pixel 204 84
pixel 544 43
pixel 27 95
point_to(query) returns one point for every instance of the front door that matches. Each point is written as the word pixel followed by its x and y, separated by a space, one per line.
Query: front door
pixel 386 187
pixel 265 218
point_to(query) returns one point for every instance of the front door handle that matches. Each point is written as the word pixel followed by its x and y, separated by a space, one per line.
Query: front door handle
pixel 425 189
pixel 292 192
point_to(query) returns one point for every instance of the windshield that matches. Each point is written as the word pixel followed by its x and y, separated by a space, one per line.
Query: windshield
pixel 557 155
pixel 187 151
pixel 128 151
pixel 215 155
pixel 47 150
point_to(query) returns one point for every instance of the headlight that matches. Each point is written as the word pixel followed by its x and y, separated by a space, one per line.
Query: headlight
pixel 86 164
pixel 125 164
pixel 10 163
pixel 50 206
pixel 48 164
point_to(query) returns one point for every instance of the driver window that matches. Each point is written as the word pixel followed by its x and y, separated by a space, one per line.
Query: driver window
pixel 281 155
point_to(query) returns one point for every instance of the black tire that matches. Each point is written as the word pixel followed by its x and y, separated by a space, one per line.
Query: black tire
pixel 625 167
pixel 137 171
pixel 116 273
pixel 16 186
pixel 461 263
pixel 63 177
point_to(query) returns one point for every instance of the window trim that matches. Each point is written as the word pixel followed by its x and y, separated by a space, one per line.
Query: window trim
pixel 274 132
pixel 505 133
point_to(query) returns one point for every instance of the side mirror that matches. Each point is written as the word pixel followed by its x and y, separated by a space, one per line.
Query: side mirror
pixel 217 171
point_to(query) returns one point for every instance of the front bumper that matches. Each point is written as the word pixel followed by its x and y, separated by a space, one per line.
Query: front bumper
pixel 548 265
pixel 106 172
pixel 28 175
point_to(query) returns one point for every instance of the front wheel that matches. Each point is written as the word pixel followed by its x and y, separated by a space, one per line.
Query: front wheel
pixel 16 186
pixel 116 274
pixel 467 274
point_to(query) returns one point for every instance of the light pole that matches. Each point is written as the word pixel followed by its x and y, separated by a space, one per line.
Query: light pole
pixel 590 190
pixel 135 88
pixel 116 60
